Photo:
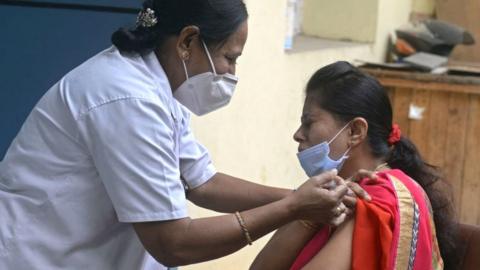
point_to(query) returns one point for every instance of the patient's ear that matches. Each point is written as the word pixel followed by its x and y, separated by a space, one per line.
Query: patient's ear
pixel 358 131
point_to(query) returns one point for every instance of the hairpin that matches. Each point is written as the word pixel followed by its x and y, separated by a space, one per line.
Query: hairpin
pixel 146 18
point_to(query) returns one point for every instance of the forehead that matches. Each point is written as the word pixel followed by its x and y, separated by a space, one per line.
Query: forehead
pixel 236 41
pixel 310 106
pixel 312 111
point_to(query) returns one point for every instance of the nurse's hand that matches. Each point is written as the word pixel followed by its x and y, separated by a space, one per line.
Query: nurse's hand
pixel 313 201
pixel 354 189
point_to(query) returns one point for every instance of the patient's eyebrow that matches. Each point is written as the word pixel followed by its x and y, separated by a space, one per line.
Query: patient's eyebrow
pixel 305 117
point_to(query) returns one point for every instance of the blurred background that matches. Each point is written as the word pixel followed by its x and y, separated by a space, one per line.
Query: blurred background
pixel 288 40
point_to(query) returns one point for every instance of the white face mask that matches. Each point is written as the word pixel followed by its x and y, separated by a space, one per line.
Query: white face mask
pixel 206 92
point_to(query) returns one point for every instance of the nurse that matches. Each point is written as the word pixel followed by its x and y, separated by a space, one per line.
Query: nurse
pixel 102 168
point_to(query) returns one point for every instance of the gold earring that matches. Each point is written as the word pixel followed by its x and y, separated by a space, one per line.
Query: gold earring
pixel 185 55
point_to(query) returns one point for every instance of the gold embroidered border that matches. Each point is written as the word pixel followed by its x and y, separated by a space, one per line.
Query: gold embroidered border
pixel 406 208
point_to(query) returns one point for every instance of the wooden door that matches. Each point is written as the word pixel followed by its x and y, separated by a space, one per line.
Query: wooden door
pixel 448 136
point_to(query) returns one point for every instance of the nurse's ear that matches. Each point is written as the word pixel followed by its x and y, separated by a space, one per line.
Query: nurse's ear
pixel 358 131
pixel 185 42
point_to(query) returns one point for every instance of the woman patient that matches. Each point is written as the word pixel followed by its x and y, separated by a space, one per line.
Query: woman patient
pixel 408 224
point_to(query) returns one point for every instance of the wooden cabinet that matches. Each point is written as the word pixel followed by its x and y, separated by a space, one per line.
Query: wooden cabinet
pixel 448 131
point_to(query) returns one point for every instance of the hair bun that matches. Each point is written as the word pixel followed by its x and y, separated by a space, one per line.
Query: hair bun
pixel 133 40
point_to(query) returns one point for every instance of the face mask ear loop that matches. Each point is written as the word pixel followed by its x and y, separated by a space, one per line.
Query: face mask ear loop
pixel 346 152
pixel 185 68
pixel 338 133
pixel 209 57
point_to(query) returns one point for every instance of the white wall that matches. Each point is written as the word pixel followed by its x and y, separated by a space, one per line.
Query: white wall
pixel 426 7
pixel 252 137
pixel 322 17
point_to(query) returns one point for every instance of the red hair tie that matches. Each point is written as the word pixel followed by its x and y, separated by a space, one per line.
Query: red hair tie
pixel 395 135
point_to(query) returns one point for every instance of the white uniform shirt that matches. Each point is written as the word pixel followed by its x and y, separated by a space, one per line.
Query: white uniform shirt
pixel 106 146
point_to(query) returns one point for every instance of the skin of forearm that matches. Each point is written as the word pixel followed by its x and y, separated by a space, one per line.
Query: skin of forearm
pixel 196 240
pixel 283 248
pixel 221 194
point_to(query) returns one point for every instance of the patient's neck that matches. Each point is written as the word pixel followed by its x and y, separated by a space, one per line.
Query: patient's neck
pixel 359 160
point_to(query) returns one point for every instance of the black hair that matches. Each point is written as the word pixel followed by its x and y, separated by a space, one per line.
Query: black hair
pixel 347 92
pixel 216 19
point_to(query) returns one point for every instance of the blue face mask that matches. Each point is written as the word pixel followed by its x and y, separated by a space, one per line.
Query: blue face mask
pixel 315 160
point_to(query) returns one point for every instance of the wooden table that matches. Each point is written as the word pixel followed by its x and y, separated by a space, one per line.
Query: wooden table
pixel 448 134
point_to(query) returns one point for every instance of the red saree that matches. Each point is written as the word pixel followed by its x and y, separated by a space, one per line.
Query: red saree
pixel 393 231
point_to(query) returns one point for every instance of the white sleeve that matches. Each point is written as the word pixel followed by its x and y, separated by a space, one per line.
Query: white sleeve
pixel 195 163
pixel 133 146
